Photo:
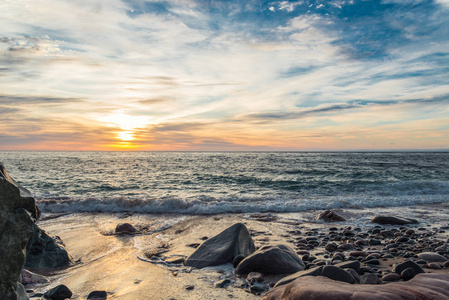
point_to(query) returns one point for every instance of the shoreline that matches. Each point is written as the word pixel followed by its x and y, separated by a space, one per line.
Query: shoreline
pixel 111 263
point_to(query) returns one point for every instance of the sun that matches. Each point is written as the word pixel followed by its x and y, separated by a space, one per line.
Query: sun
pixel 125 136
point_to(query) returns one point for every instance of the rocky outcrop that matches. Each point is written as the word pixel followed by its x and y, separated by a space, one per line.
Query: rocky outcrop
pixel 222 248
pixel 391 220
pixel 271 260
pixel 17 216
pixel 45 252
pixel 423 287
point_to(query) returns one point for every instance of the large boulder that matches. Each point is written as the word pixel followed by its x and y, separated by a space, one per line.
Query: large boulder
pixel 46 252
pixel 423 287
pixel 392 220
pixel 271 260
pixel 432 257
pixel 17 216
pixel 222 248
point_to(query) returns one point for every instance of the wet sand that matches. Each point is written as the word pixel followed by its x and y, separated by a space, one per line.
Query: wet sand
pixel 138 267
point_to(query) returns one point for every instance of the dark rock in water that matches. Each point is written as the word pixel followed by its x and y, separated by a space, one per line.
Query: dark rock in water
pixel 370 278
pixel 60 292
pixel 223 283
pixel 432 257
pixel 125 228
pixel 222 248
pixel 399 268
pixel 423 287
pixel 331 215
pixel 46 252
pixel 237 260
pixel 391 220
pixel 332 272
pixel 271 260
pixel 97 295
pixel 408 274
pixel 17 216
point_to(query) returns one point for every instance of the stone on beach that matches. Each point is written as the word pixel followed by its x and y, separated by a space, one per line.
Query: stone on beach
pixel 32 278
pixel 46 252
pixel 399 268
pixel 331 215
pixel 59 292
pixel 17 216
pixel 271 260
pixel 392 220
pixel 331 272
pixel 222 248
pixel 423 287
pixel 125 228
pixel 97 295
pixel 432 257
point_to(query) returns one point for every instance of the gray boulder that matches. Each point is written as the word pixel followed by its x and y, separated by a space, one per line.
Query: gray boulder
pixel 222 248
pixel 271 260
pixel 17 216
pixel 45 252
pixel 391 220
pixel 60 292
pixel 432 257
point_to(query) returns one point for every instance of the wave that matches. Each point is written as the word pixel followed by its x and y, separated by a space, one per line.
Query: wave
pixel 209 205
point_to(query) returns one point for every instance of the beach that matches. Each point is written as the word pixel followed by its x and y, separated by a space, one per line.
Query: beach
pixel 139 266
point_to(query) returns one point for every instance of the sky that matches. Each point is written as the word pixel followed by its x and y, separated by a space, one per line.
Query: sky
pixel 224 75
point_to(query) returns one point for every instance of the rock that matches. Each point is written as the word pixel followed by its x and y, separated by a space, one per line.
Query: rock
pixel 432 257
pixel 391 220
pixel 358 253
pixel 354 275
pixel 17 216
pixel 434 266
pixel 391 277
pixel 423 287
pixel 46 252
pixel 97 295
pixel 331 272
pixel 222 248
pixel 223 283
pixel 255 276
pixel 271 260
pixel 189 287
pixel 399 268
pixel 32 278
pixel 355 265
pixel 125 228
pixel 408 274
pixel 331 215
pixel 60 292
pixel 370 278
pixel 331 247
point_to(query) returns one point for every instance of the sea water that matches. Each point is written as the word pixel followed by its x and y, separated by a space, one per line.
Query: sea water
pixel 228 182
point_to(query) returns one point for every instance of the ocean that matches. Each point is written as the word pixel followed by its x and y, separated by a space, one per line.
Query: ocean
pixel 228 182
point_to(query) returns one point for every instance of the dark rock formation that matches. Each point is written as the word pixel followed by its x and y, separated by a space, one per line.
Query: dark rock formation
pixel 17 216
pixel 125 228
pixel 222 248
pixel 399 268
pixel 423 287
pixel 46 252
pixel 271 260
pixel 60 292
pixel 391 220
pixel 97 295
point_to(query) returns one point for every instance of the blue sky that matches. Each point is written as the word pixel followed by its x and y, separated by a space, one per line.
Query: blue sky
pixel 224 75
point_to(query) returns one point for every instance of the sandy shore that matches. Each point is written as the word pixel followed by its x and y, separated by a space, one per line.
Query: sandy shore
pixel 121 265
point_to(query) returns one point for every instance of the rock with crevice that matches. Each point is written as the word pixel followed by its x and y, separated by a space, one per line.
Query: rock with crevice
pixel 222 248
pixel 17 216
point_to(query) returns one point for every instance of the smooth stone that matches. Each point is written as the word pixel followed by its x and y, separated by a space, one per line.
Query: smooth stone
pixel 423 287
pixel 432 257
pixel 237 260
pixel 355 265
pixel 222 248
pixel 434 266
pixel 332 272
pixel 392 220
pixel 59 292
pixel 358 253
pixel 125 228
pixel 97 295
pixel 391 277
pixel 398 268
pixel 331 247
pixel 271 260
pixel 408 274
